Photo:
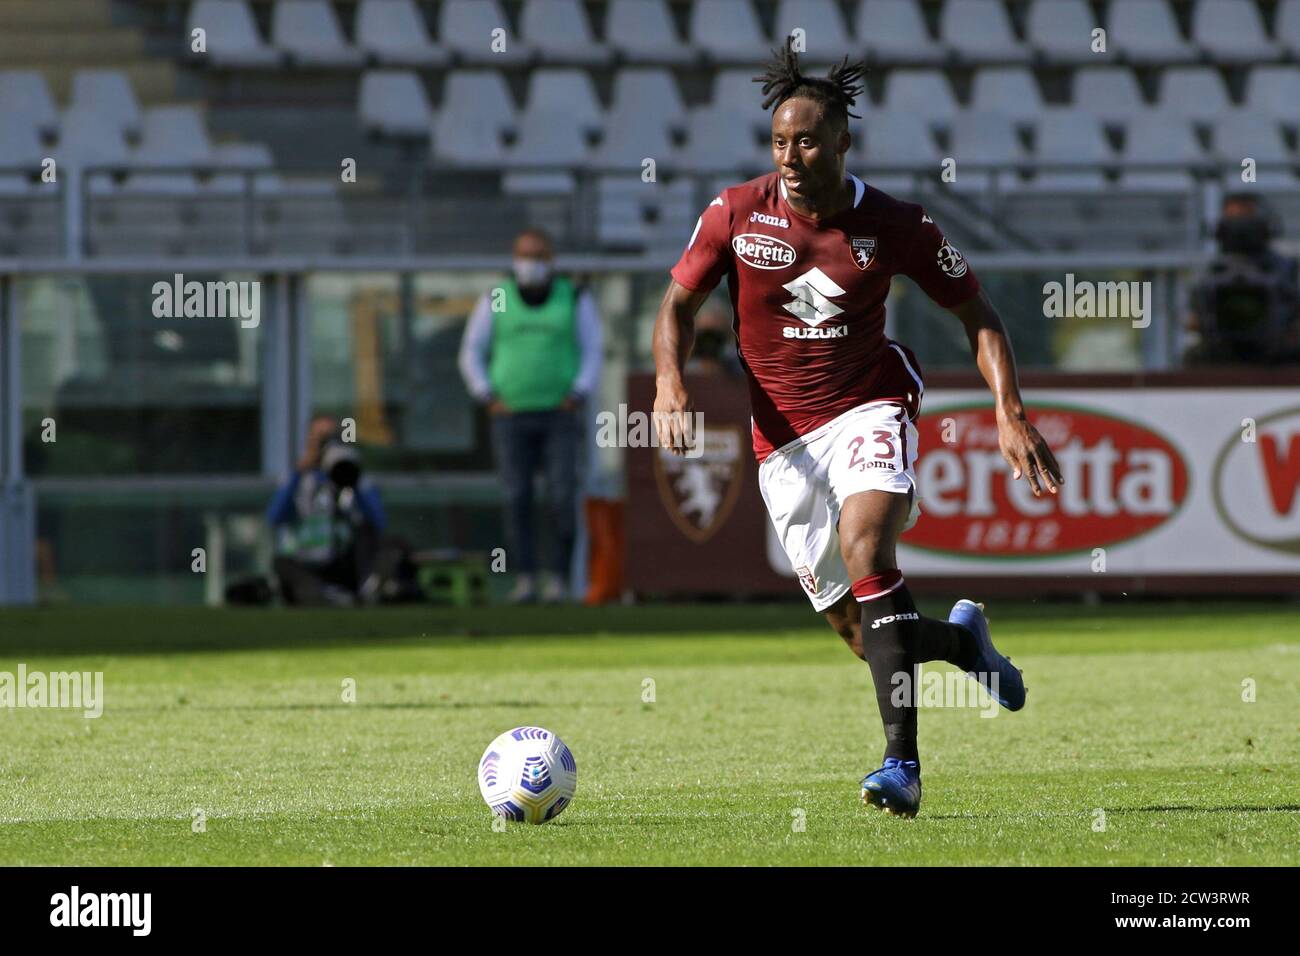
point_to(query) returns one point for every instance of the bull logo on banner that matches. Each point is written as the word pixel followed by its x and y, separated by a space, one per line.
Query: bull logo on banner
pixel 699 493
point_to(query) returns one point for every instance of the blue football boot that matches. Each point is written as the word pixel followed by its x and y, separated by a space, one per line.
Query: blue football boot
pixel 894 788
pixel 1010 692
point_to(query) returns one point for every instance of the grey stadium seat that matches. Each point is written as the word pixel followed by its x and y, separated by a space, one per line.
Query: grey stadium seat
pixel 1070 136
pixel 478 93
pixel 924 92
pixel 89 138
pixel 393 32
pixel 309 32
pixel 394 103
pixel 720 141
pixel 1109 92
pixel 1146 31
pixel 1274 91
pixel 894 150
pixel 1062 31
pixel 26 92
pixel 232 37
pixel 172 136
pixel 642 32
pixel 549 138
pixel 1010 90
pixel 565 90
pixel 1196 92
pixel 826 36
pixel 893 31
pixel 649 94
pixel 728 31
pixel 630 139
pixel 1240 135
pixel 988 140
pixel 107 92
pixel 980 31
pixel 20 142
pixel 1231 31
pixel 560 32
pixel 735 90
pixel 467 27
pixel 1162 138
pixel 1287 26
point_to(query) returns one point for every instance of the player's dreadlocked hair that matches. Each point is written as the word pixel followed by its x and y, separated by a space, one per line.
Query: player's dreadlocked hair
pixel 836 93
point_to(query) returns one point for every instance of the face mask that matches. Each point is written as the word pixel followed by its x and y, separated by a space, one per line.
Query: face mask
pixel 531 272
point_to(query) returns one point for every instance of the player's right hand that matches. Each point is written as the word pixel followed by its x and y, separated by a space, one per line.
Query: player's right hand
pixel 674 417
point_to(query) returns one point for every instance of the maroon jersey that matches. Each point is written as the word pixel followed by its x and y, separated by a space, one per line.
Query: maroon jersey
pixel 808 298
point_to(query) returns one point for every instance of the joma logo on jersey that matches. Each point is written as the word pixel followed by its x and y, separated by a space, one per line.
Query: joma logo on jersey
pixel 767 220
pixel 812 304
pixel 763 252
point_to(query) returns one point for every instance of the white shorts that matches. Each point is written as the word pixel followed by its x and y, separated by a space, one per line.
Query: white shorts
pixel 805 483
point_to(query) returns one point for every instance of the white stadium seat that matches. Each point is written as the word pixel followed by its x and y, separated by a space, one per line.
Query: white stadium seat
pixel 87 137
pixel 232 37
pixel 649 94
pixel 108 92
pixel 309 32
pixel 478 93
pixel 728 31
pixel 1196 92
pixel 736 90
pixel 924 92
pixel 549 138
pixel 903 140
pixel 26 92
pixel 394 103
pixel 979 30
pixel 393 32
pixel 1162 138
pixel 893 31
pixel 172 136
pixel 720 141
pixel 1062 31
pixel 1010 90
pixel 630 139
pixel 1109 92
pixel 565 90
pixel 1274 90
pixel 1231 31
pixel 1146 31
pixel 561 33
pixel 1070 136
pixel 469 26
pixel 984 139
pixel 642 32
pixel 827 39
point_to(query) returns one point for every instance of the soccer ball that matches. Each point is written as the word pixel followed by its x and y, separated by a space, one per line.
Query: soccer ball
pixel 527 774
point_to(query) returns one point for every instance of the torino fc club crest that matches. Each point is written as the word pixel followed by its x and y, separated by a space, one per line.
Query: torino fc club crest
pixel 699 493
pixel 863 249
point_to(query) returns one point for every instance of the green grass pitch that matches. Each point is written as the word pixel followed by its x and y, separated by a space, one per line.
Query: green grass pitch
pixel 761 727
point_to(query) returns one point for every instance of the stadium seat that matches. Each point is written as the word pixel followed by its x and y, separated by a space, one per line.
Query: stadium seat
pixel 239 158
pixel 394 103
pixel 827 39
pixel 736 90
pixel 1231 31
pixel 923 92
pixel 232 37
pixel 109 93
pixel 172 136
pixel 1160 138
pixel 979 31
pixel 985 140
pixel 26 92
pixel 309 33
pixel 560 32
pixel 1146 32
pixel 1196 92
pixel 1070 136
pixel 393 32
pixel 631 138
pixel 1108 92
pixel 894 149
pixel 20 143
pixel 87 137
pixel 483 94
pixel 565 90
pixel 1010 90
pixel 650 95
pixel 727 31
pixel 1061 30
pixel 1274 91
pixel 893 31
pixel 467 27
pixel 1241 134
pixel 549 138
pixel 1287 26
pixel 718 140
pixel 642 32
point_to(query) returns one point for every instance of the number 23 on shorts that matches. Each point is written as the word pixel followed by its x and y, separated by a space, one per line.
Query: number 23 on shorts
pixel 882 439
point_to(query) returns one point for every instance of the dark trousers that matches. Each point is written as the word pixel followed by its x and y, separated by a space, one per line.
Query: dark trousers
pixel 525 442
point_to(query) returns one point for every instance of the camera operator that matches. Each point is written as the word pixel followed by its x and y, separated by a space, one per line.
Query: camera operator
pixel 1245 307
pixel 328 519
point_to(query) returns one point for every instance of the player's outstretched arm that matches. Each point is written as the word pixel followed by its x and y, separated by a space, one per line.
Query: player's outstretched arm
pixel 674 336
pixel 1023 448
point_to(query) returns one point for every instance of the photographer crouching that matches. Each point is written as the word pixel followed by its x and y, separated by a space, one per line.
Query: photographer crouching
pixel 1245 309
pixel 328 521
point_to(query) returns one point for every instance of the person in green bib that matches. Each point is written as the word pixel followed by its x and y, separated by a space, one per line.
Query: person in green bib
pixel 531 354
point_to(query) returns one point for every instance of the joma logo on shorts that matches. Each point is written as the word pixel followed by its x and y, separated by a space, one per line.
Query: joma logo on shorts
pixel 891 618
pixel 769 220
pixel 829 332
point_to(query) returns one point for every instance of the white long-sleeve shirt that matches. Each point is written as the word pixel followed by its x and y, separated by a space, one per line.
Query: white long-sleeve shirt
pixel 476 345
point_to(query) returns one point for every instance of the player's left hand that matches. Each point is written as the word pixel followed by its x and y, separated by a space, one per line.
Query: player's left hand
pixel 1027 454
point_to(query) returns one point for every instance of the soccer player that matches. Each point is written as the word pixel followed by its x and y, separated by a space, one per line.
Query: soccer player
pixel 809 253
